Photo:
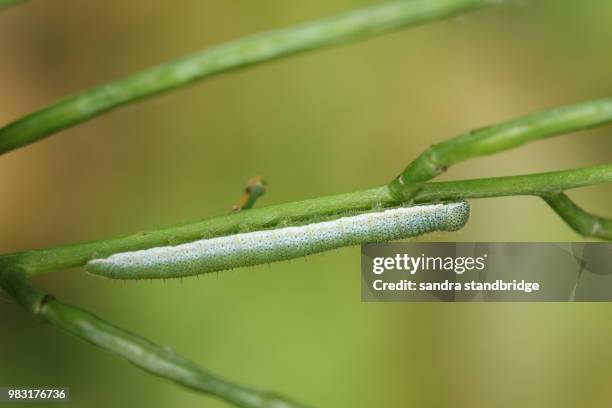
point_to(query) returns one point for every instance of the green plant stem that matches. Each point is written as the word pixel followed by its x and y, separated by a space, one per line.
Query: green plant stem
pixel 529 184
pixel 300 212
pixel 146 355
pixel 493 139
pixel 352 26
pixel 587 225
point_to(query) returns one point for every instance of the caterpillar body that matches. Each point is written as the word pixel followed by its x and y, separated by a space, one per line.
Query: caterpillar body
pixel 258 247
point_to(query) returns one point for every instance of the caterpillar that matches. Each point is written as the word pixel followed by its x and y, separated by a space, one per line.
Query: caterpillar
pixel 258 247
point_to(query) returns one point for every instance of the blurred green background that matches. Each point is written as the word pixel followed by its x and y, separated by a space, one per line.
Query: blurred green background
pixel 324 122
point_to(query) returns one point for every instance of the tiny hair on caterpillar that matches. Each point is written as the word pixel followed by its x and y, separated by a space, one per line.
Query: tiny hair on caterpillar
pixel 265 246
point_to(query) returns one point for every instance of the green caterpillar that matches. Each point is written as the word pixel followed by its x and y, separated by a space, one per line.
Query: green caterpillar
pixel 253 248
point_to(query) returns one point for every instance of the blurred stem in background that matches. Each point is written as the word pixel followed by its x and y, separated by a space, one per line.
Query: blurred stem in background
pixel 157 360
pixel 352 26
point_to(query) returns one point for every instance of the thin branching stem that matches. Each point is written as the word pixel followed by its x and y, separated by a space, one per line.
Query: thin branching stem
pixel 493 139
pixel 157 360
pixel 352 26
pixel 528 184
pixel 300 212
pixel 584 223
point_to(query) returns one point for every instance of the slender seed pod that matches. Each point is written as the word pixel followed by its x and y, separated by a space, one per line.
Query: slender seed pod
pixel 258 247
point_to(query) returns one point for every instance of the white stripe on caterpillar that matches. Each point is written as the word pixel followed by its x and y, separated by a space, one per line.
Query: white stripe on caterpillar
pixel 258 247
